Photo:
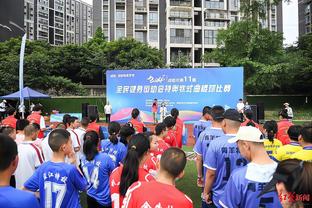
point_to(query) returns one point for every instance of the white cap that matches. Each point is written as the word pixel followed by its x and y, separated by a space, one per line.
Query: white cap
pixel 248 133
pixel 286 104
pixel 4 101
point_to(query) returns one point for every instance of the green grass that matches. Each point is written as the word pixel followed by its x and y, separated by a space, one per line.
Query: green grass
pixel 188 183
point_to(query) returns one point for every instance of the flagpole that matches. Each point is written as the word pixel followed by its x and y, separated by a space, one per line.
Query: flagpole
pixel 21 76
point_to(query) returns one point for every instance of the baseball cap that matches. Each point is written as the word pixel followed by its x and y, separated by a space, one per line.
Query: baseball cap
pixel 232 114
pixel 286 104
pixel 248 133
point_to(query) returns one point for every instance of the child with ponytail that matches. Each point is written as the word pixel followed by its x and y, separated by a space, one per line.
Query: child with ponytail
pixel 112 146
pixel 151 161
pixel 270 143
pixel 132 169
pixel 97 168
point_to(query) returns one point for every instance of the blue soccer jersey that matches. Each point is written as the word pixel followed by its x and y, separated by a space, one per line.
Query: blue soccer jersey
pixel 58 183
pixel 202 144
pixel 97 172
pixel 246 183
pixel 223 157
pixel 116 151
pixel 200 126
pixel 12 198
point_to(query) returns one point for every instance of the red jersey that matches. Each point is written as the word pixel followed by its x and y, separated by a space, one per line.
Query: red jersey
pixel 94 127
pixel 114 182
pixel 179 130
pixel 150 164
pixel 155 107
pixel 282 128
pixel 35 117
pixel 139 195
pixel 247 121
pixel 162 146
pixel 9 121
pixel 137 125
pixel 170 139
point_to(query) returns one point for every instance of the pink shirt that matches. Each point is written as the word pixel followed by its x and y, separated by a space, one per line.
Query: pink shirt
pixel 154 107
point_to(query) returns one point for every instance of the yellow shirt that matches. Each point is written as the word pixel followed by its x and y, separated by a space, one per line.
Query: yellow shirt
pixel 305 154
pixel 272 147
pixel 286 151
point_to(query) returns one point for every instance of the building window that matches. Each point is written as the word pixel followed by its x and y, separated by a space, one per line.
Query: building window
pixel 139 19
pixel 210 37
pixel 183 36
pixel 307 19
pixel 120 16
pixel 214 5
pixel 139 36
pixel 153 18
pixel 153 35
pixel 120 33
pixel 105 16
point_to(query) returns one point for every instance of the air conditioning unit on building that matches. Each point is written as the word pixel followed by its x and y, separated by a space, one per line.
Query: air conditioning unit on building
pixel 144 27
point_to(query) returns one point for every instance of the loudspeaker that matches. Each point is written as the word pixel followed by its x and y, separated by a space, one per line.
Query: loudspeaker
pixel 93 111
pixel 260 109
pixel 254 113
pixel 84 110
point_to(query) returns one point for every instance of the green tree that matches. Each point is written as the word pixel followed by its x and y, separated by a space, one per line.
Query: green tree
pixel 258 50
pixel 181 61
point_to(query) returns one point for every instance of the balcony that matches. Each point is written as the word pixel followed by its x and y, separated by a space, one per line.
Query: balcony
pixel 181 40
pixel 216 16
pixel 154 1
pixel 141 9
pixel 181 3
pixel 140 27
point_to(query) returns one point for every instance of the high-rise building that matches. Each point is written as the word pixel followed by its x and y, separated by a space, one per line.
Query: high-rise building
pixel 305 16
pixel 58 21
pixel 179 27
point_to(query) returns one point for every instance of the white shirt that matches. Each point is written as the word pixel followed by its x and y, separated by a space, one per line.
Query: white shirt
pixel 80 132
pixel 42 123
pixel 2 107
pixel 30 158
pixel 75 143
pixel 240 107
pixel 290 112
pixel 108 109
pixel 46 149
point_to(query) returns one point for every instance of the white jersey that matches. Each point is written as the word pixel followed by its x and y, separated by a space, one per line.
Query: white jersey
pixel 80 132
pixel 30 158
pixel 75 143
pixel 240 107
pixel 46 149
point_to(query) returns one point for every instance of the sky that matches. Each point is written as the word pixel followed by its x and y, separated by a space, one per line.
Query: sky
pixel 290 21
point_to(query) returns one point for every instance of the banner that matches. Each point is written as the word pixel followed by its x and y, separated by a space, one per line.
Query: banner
pixel 188 90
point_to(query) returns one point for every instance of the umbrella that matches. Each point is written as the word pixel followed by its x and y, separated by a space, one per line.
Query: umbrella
pixel 28 94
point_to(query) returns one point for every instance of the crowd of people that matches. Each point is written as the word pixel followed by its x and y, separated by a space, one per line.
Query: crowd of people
pixel 239 163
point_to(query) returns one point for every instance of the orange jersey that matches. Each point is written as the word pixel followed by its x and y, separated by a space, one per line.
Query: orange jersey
pixel 94 127
pixel 9 121
pixel 163 195
pixel 137 125
pixel 114 183
pixel 179 130
pixel 282 128
pixel 171 139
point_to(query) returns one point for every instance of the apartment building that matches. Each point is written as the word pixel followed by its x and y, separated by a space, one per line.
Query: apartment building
pixel 178 27
pixel 58 21
pixel 305 16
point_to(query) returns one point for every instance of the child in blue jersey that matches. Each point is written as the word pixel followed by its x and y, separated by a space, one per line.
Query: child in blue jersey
pixel 97 168
pixel 202 144
pixel 221 159
pixel 113 147
pixel 9 196
pixel 203 123
pixel 246 183
pixel 58 182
